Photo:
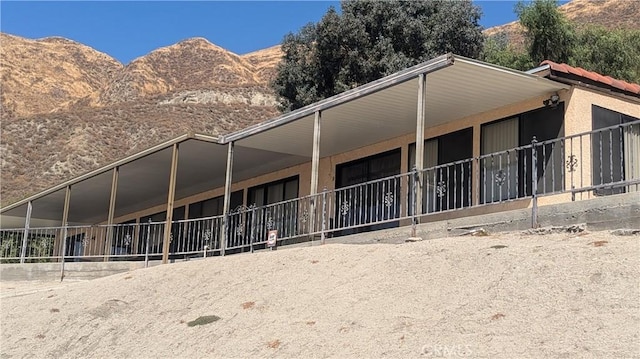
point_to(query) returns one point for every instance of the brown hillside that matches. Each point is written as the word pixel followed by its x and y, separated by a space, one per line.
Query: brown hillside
pixel 610 14
pixel 191 64
pixel 265 61
pixel 192 86
pixel 40 76
pixel 42 150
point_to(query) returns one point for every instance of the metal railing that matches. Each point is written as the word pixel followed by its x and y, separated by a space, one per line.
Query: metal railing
pixel 595 163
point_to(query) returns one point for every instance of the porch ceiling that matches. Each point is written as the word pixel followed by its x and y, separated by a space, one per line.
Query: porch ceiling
pixel 143 182
pixel 465 88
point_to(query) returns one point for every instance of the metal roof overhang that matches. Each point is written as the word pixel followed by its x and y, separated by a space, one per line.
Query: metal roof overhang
pixel 456 87
pixel 143 181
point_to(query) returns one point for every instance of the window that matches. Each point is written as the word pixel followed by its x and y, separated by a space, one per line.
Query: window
pixel 215 206
pixel 123 235
pixel 370 203
pixel 506 173
pixel 270 213
pixel 447 180
pixel 615 150
pixel 199 230
pixel 273 192
pixel 155 232
pixel 500 169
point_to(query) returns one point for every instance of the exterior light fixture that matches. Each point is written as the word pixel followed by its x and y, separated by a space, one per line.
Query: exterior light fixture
pixel 552 101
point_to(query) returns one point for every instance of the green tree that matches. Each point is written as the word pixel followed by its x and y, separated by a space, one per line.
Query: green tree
pixel 369 40
pixel 549 34
pixel 498 51
pixel 615 53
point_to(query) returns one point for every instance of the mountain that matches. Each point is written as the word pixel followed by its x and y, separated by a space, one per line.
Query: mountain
pixel 40 76
pixel 610 14
pixel 265 61
pixel 191 64
pixel 191 86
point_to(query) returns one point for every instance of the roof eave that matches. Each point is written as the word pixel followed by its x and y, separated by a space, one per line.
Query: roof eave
pixel 360 91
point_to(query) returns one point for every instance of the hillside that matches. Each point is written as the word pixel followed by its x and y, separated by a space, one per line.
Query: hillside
pixel 191 64
pixel 91 137
pixel 501 296
pixel 610 14
pixel 265 62
pixel 40 76
pixel 191 86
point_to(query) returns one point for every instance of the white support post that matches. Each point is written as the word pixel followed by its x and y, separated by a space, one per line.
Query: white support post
pixel 27 220
pixel 315 157
pixel 65 221
pixel 170 198
pixel 419 164
pixel 227 199
pixel 315 164
pixel 65 210
pixel 112 206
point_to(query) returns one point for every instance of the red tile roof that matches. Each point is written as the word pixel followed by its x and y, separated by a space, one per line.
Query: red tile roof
pixel 593 76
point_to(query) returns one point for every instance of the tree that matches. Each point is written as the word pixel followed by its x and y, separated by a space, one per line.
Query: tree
pixel 549 34
pixel 498 51
pixel 369 40
pixel 615 53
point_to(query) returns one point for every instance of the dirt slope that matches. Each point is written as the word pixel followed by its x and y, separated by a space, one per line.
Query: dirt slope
pixel 502 296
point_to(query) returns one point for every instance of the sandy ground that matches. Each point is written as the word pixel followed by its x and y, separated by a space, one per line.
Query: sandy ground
pixel 500 296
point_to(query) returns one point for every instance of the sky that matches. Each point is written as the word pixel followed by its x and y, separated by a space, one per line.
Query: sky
pixel 126 30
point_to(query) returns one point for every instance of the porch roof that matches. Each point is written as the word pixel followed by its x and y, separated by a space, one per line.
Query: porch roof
pixel 456 87
pixel 143 181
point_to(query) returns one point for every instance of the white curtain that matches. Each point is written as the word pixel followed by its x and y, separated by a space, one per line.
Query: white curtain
pixel 499 173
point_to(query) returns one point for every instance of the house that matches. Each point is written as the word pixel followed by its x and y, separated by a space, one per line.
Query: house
pixel 448 137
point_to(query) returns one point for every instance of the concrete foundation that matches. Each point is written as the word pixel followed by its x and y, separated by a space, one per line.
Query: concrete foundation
pixel 72 270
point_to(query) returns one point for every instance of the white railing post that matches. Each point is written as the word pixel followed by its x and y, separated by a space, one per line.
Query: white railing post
pixel 146 250
pixel 64 249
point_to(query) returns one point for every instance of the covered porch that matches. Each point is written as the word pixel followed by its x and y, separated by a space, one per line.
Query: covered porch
pixel 314 172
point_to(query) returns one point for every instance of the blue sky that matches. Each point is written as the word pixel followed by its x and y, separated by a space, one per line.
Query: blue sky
pixel 126 30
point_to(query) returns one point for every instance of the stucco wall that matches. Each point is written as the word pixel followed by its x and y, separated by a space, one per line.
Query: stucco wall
pixel 578 120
